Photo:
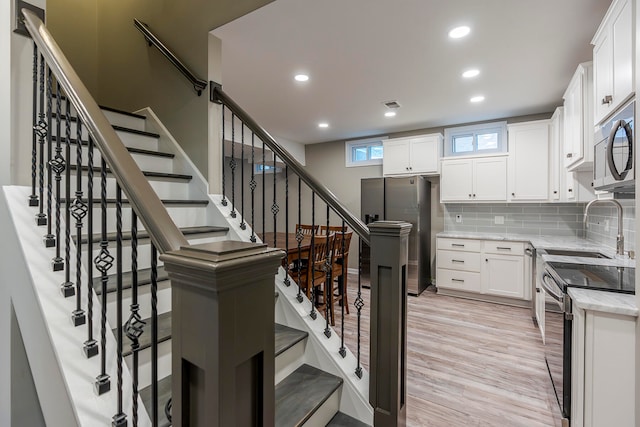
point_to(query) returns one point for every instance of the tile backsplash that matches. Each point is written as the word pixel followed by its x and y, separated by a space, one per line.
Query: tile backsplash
pixel 558 219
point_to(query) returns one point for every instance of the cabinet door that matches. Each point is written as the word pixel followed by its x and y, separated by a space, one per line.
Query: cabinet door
pixel 456 182
pixel 540 308
pixel 503 275
pixel 573 121
pixel 396 157
pixel 490 179
pixel 424 154
pixel 577 367
pixel 555 164
pixel 602 74
pixel 622 53
pixel 529 161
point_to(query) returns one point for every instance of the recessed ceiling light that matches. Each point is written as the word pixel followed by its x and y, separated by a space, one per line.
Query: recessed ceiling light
pixel 323 125
pixel 301 77
pixel 390 114
pixel 478 98
pixel 470 73
pixel 459 32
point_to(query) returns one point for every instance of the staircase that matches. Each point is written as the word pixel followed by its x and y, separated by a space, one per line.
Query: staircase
pixel 305 395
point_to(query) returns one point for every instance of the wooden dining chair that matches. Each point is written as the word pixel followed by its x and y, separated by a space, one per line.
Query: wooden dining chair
pixel 313 272
pixel 339 266
pixel 307 228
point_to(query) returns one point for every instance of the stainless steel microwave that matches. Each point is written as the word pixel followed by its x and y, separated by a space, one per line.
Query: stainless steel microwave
pixel 613 163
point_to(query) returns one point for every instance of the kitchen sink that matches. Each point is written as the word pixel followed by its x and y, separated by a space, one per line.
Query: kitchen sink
pixel 576 253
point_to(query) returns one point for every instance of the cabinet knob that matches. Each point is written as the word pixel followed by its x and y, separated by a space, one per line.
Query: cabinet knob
pixel 474 195
pixel 555 191
pixel 513 194
pixel 469 195
pixel 486 260
pixel 570 190
pixel 537 290
pixel 569 155
pixel 607 100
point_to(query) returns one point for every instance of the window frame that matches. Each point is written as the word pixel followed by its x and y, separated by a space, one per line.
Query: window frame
pixel 349 146
pixel 500 128
pixel 271 169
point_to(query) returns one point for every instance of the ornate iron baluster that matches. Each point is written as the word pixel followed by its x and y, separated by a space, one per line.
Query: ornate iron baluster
pixel 253 186
pixel 133 327
pixel 274 207
pixel 232 165
pixel 312 257
pixel 243 225
pixel 79 211
pixel 328 284
pixel 58 165
pixel 103 262
pixel 358 304
pixel 154 335
pixel 49 238
pixel 299 237
pixel 41 130
pixel 90 345
pixel 343 349
pixel 33 198
pixel 287 282
pixel 119 419
pixel 67 288
pixel 224 199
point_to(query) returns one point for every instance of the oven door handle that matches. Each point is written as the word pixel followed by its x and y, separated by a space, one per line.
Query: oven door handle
pixel 549 288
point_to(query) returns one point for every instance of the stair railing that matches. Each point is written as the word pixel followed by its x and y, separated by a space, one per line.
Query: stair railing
pixel 288 183
pixel 198 84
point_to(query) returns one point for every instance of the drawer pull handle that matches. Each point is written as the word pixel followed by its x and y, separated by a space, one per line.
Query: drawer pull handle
pixel 503 248
pixel 458 260
pixel 457 245
pixel 457 280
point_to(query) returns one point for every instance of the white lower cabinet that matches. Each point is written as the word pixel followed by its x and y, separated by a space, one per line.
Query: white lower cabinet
pixel 484 267
pixel 602 369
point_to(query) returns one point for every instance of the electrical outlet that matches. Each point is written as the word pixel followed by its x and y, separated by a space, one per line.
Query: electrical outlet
pixel 499 220
pixel 459 219
pixel 606 225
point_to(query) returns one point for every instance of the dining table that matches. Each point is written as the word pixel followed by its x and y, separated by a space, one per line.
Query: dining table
pixel 289 243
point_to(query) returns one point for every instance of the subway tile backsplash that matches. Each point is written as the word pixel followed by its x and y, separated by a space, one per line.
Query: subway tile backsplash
pixel 558 219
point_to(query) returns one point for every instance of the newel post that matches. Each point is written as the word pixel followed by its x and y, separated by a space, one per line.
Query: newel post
pixel 223 334
pixel 388 370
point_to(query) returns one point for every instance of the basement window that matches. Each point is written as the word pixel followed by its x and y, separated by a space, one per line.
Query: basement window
pixel 486 138
pixel 267 169
pixel 364 152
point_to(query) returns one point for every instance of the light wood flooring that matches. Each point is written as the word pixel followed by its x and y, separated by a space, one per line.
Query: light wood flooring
pixel 469 363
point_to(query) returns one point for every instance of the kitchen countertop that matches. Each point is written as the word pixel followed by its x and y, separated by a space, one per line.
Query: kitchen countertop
pixel 608 302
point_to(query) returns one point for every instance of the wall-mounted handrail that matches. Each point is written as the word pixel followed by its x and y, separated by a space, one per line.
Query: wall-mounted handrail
pixel 198 84
pixel 143 199
pixel 219 96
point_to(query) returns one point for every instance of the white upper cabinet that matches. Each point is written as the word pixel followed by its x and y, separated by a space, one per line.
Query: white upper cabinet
pixel 555 163
pixel 529 161
pixel 474 179
pixel 419 155
pixel 578 120
pixel 613 59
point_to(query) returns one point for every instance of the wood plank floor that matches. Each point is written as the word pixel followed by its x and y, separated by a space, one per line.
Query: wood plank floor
pixel 469 363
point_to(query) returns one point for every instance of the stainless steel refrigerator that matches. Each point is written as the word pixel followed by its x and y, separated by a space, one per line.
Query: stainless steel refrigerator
pixel 401 199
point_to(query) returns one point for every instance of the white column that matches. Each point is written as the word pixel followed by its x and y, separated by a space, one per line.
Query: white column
pixel 214 164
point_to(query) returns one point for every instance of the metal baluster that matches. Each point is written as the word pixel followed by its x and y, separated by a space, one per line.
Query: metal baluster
pixel 274 207
pixel 343 349
pixel 79 211
pixel 264 200
pixel 224 199
pixel 312 257
pixel 133 327
pixel 119 419
pixel 328 268
pixel 90 345
pixel 67 288
pixel 41 130
pixel 58 165
pixel 154 335
pixel 253 186
pixel 49 238
pixel 287 282
pixel 243 225
pixel 33 198
pixel 299 238
pixel 232 165
pixel 104 261
pixel 359 303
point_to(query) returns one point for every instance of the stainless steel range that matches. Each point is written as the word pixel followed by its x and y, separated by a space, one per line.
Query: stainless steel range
pixel 557 277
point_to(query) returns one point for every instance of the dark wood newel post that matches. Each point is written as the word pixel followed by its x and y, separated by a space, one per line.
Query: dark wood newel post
pixel 223 334
pixel 388 374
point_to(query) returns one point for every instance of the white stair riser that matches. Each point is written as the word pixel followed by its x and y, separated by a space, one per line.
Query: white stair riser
pixel 324 413
pixel 177 190
pixel 144 363
pixel 124 120
pixel 144 300
pixel 129 139
pixel 144 162
pixel 289 360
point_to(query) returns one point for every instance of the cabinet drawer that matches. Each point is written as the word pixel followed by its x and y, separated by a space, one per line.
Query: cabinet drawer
pixel 458 280
pixel 504 248
pixel 466 245
pixel 457 260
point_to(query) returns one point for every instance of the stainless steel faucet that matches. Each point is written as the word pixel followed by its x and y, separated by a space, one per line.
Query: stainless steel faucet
pixel 620 236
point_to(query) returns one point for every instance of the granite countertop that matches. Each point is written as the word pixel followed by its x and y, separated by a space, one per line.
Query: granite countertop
pixel 608 302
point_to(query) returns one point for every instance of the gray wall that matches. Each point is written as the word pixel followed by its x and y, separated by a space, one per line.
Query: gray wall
pixel 600 214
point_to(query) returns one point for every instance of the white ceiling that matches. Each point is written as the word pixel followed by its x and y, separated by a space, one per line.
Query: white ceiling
pixel 360 53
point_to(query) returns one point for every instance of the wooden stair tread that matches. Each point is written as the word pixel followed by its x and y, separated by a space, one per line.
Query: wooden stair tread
pixel 115 127
pixel 126 113
pixel 148 174
pixel 143 234
pixel 168 202
pixel 300 394
pixel 164 394
pixel 132 150
pixel 287 337
pixel 344 420
pixel 164 333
